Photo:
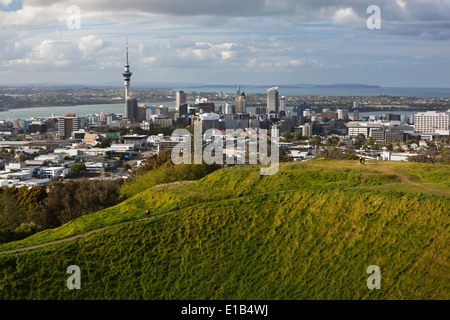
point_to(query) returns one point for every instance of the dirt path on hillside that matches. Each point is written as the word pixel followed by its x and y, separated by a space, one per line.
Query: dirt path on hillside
pixel 405 179
pixel 103 228
pixel 78 235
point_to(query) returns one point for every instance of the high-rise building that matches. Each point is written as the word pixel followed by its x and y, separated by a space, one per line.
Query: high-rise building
pixel 131 110
pixel 227 109
pixel 307 130
pixel 300 108
pixel 37 126
pixel 282 103
pixel 68 124
pixel 342 114
pixel 238 91
pixel 273 102
pixel 241 103
pixel 430 121
pixel 180 99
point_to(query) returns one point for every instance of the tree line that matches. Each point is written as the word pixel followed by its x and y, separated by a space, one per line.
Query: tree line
pixel 26 211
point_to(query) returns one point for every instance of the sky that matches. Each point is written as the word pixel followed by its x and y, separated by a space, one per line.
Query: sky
pixel 403 43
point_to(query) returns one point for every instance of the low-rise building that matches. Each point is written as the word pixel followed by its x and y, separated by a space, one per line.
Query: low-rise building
pixel 135 139
pixel 54 172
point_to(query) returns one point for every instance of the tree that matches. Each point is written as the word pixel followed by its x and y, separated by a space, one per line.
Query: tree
pixel 77 168
pixel 156 161
pixel 106 143
pixel 297 135
pixel 284 155
pixel 287 136
pixel 74 199
pixel 11 215
pixel 315 141
pixel 22 158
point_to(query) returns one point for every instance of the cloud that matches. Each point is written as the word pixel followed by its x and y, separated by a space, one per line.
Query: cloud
pixel 91 45
pixel 198 38
pixel 420 18
pixel 6 2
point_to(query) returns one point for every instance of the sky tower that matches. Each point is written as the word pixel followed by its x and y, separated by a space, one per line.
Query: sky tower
pixel 127 75
pixel 131 107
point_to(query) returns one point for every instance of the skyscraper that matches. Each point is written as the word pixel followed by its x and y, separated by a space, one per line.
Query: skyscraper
pixel 282 103
pixel 131 110
pixel 180 98
pixel 68 124
pixel 273 103
pixel 241 103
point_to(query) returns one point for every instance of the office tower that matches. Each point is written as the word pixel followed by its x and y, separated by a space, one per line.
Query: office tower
pixel 300 108
pixel 227 108
pixel 68 124
pixel 430 121
pixel 356 115
pixel 183 110
pixel 273 103
pixel 238 91
pixel 260 110
pixel 37 126
pixel 307 130
pixel 180 99
pixel 342 114
pixel 131 110
pixel 282 103
pixel 241 103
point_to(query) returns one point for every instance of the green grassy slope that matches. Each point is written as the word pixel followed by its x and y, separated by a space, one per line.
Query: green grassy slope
pixel 308 232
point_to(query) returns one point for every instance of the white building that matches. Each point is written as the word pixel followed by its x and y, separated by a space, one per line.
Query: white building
pixel 122 147
pixel 282 103
pixel 342 114
pixel 430 121
pixel 273 102
pixel 50 157
pixel 396 156
pixel 15 166
pixel 71 152
pixel 54 172
pixel 359 127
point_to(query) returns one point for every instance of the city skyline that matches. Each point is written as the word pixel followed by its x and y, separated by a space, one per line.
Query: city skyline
pixel 226 42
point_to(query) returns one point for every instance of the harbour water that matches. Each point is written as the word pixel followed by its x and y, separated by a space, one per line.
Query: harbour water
pixel 83 110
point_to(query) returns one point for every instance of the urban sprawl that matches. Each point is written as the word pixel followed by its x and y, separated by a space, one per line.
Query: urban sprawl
pixel 112 146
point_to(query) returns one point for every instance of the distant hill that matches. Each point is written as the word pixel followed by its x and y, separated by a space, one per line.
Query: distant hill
pixel 308 232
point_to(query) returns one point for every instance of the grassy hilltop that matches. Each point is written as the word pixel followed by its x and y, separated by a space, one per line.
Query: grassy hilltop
pixel 308 232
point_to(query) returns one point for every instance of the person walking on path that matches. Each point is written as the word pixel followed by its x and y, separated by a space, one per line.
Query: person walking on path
pixel 147 213
pixel 178 207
